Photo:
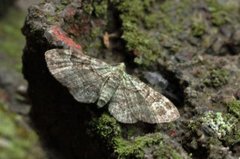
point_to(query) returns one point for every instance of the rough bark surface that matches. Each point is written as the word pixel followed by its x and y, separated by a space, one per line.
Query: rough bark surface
pixel 189 48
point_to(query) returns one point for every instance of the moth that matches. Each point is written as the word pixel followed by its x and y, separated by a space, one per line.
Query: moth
pixel 90 80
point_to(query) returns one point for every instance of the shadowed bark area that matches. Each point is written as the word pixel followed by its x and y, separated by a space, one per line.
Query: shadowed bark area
pixel 191 47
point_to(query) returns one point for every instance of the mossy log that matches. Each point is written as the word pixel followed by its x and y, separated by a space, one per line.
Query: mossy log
pixel 193 45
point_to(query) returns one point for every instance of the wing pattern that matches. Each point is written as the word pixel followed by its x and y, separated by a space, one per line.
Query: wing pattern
pixel 89 79
pixel 139 102
pixel 78 73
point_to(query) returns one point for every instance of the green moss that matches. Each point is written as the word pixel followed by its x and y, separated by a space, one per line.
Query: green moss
pixel 134 8
pixel 219 18
pixel 126 149
pixel 138 147
pixel 96 8
pixel 198 26
pixel 234 137
pixel 140 44
pixel 143 20
pixel 219 11
pixel 95 32
pixel 173 16
pixel 218 124
pixel 133 14
pixel 216 78
pixel 152 21
pixel 95 37
pixel 220 127
pixel 234 107
pixel 166 152
pixel 100 8
pixel 135 149
pixel 88 8
pixel 147 23
pixel 106 127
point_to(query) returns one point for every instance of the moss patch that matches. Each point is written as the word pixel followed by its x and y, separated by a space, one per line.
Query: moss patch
pixel 212 130
pixel 198 25
pixel 141 23
pixel 140 145
pixel 152 29
pixel 220 11
pixel 132 15
pixel 96 8
pixel 234 107
pixel 106 127
pixel 234 137
pixel 218 124
pixel 216 78
pixel 100 8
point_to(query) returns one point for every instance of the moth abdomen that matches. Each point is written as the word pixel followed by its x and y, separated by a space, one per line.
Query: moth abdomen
pixel 109 88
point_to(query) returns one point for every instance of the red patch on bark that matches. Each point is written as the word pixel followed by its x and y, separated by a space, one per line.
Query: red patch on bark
pixel 76 22
pixel 59 35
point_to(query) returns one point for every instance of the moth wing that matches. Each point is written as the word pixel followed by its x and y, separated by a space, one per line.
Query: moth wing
pixel 81 74
pixel 119 105
pixel 136 101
